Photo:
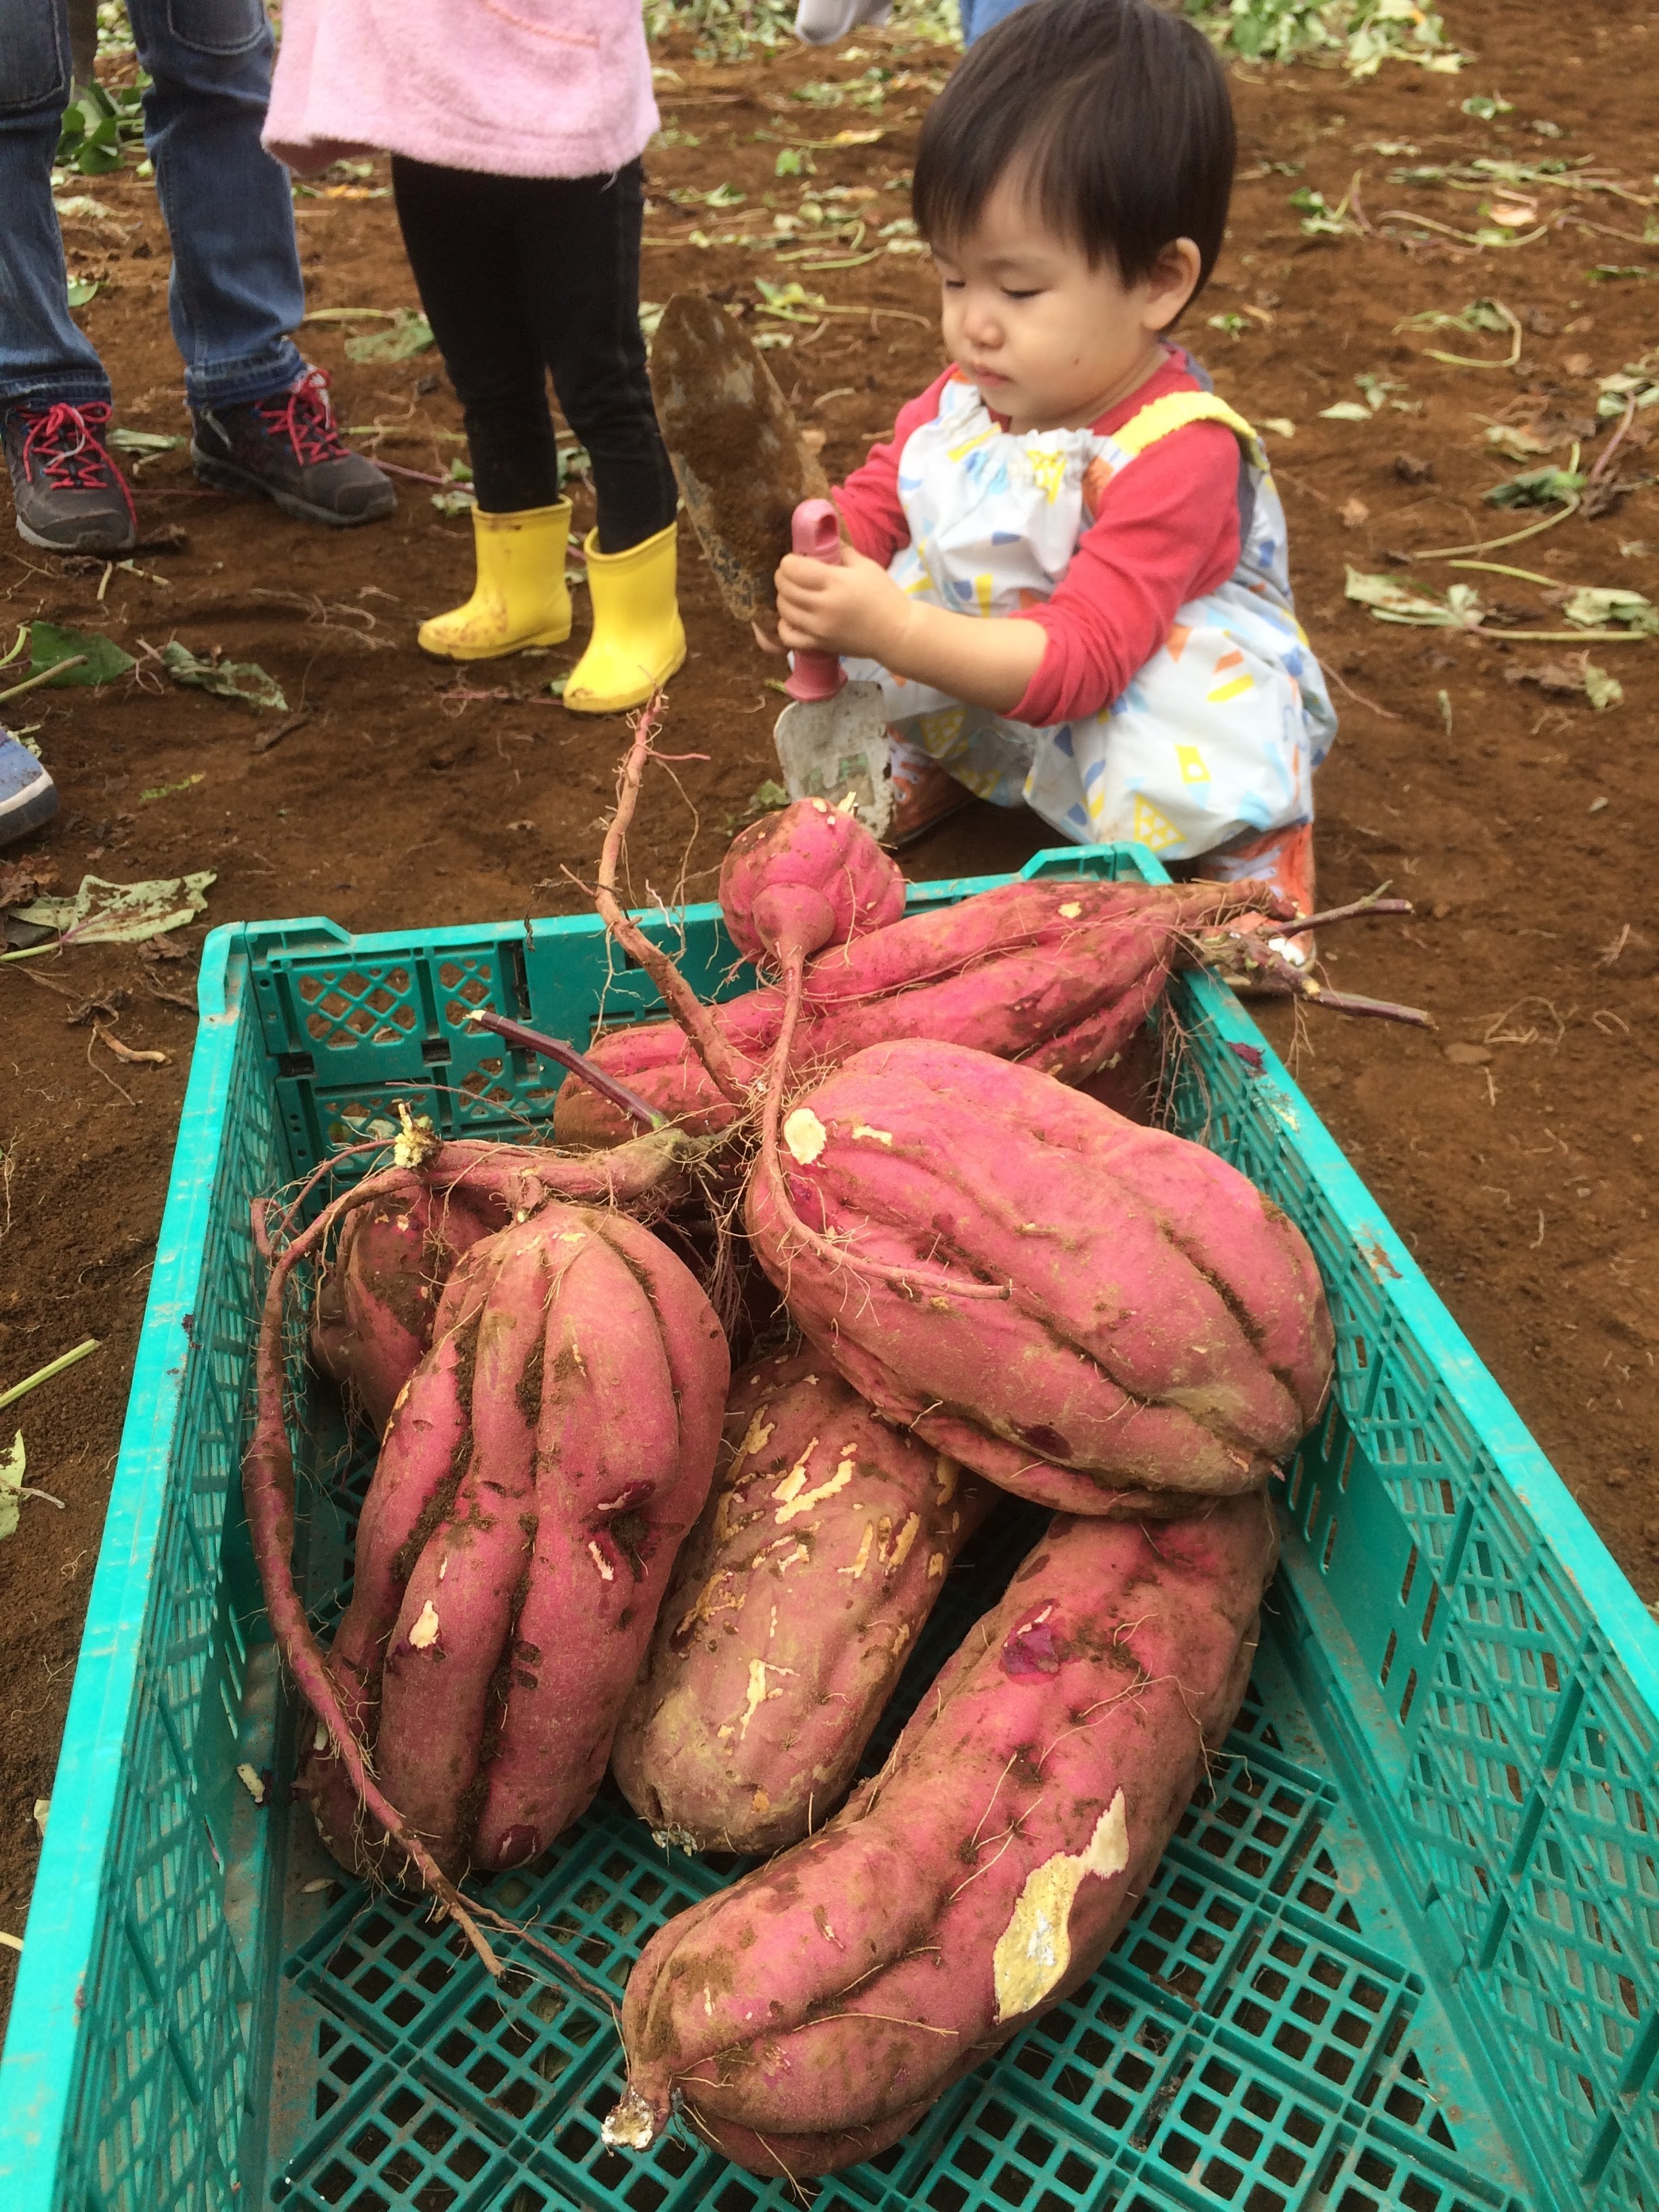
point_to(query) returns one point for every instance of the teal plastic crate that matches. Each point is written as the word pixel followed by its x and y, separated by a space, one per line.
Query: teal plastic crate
pixel 1403 1955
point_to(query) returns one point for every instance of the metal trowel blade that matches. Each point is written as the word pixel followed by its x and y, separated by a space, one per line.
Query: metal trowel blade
pixel 829 748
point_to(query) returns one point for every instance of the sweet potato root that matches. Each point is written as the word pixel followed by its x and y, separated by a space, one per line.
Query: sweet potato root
pixel 1074 1306
pixel 795 1602
pixel 810 2014
pixel 374 1307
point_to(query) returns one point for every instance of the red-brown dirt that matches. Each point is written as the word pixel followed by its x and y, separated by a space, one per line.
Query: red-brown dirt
pixel 1516 1165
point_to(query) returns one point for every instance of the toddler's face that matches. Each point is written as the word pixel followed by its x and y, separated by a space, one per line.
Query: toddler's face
pixel 1050 342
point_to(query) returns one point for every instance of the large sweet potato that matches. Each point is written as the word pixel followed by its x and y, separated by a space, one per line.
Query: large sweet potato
pixel 537 1478
pixel 795 1602
pixel 1161 1327
pixel 808 2016
pixel 1061 974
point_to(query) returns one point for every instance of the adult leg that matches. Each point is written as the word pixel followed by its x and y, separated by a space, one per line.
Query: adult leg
pixel 458 232
pixel 262 420
pixel 235 292
pixel 54 395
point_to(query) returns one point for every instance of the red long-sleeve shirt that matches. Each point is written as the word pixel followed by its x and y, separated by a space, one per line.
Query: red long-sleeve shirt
pixel 1167 530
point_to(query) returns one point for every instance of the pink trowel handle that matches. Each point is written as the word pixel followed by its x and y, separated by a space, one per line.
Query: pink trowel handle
pixel 816 532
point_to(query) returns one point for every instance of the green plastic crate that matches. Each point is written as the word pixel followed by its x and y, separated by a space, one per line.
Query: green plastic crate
pixel 1403 1955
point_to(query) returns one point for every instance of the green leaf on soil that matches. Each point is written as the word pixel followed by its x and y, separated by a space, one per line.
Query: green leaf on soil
pixel 1395 601
pixel 1602 689
pixel 142 441
pixel 410 334
pixel 103 913
pixel 226 679
pixel 1485 106
pixel 1345 411
pixel 14 1465
pixel 1536 488
pixel 167 790
pixel 453 502
pixel 80 291
pixel 49 644
pixel 1591 608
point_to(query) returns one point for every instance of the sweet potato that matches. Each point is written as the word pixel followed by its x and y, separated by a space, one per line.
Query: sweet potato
pixel 375 1306
pixel 809 2015
pixel 1072 1305
pixel 1061 974
pixel 806 877
pixel 538 1475
pixel 795 1602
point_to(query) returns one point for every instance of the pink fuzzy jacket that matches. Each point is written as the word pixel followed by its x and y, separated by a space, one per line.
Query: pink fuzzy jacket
pixel 513 88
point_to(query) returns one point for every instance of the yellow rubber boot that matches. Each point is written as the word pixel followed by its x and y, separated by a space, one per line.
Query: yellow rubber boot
pixel 638 640
pixel 521 598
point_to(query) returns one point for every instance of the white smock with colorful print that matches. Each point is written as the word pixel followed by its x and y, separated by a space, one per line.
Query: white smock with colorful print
pixel 1216 738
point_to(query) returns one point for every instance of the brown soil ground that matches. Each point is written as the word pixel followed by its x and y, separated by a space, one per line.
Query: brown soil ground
pixel 413 797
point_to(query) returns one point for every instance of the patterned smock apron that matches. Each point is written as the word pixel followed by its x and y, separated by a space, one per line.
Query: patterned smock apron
pixel 1217 737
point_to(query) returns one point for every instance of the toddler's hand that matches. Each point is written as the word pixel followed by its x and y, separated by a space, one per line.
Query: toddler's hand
pixel 853 607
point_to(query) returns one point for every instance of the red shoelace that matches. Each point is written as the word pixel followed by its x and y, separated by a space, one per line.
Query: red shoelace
pixel 69 443
pixel 304 415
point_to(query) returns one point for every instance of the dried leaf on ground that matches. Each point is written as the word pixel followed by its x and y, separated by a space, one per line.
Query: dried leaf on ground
pixel 227 679
pixel 1596 608
pixel 23 880
pixel 1391 601
pixel 1558 678
pixel 121 914
pixel 1354 513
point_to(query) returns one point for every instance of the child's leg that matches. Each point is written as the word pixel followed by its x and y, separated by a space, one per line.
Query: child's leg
pixel 460 233
pixel 460 229
pixel 579 275
pixel 579 268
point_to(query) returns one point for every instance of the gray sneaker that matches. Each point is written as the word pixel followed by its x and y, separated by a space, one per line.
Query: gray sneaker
pixel 70 497
pixel 286 446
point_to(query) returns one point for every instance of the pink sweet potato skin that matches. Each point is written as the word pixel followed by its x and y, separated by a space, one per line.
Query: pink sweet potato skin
pixel 1061 974
pixel 425 1453
pixel 1165 1329
pixel 794 1605
pixel 804 878
pixel 375 1304
pixel 635 1371
pixel 539 1472
pixel 812 2012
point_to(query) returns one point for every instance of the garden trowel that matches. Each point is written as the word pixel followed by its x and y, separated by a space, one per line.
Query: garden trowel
pixel 832 741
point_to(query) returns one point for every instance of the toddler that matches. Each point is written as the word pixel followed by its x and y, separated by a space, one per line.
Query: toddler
pixel 1067 569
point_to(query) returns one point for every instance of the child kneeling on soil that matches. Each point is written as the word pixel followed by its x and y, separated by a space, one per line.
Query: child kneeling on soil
pixel 1067 568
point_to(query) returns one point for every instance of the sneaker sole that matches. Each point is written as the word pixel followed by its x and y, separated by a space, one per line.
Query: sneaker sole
pixel 28 810
pixel 106 546
pixel 225 475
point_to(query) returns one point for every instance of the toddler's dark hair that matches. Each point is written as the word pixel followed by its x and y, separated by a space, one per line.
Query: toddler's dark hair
pixel 1117 112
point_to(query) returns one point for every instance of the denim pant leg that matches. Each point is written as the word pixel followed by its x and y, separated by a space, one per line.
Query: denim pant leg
pixel 43 353
pixel 235 292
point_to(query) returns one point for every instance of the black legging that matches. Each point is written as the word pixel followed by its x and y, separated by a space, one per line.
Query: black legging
pixel 521 274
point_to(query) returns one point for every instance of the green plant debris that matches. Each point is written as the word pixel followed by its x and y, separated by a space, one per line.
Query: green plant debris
pixel 1592 607
pixel 1537 487
pixel 102 913
pixel 1392 601
pixel 167 790
pixel 410 334
pixel 53 1367
pixel 14 1465
pixel 80 291
pixel 1359 35
pixel 1620 272
pixel 96 126
pixel 453 502
pixel 1484 107
pixel 1601 688
pixel 226 679
pixel 101 657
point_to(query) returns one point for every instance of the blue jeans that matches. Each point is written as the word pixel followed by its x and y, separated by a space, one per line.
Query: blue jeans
pixel 235 291
pixel 979 16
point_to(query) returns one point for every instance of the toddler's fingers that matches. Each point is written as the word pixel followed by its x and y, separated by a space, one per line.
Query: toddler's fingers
pixel 763 638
